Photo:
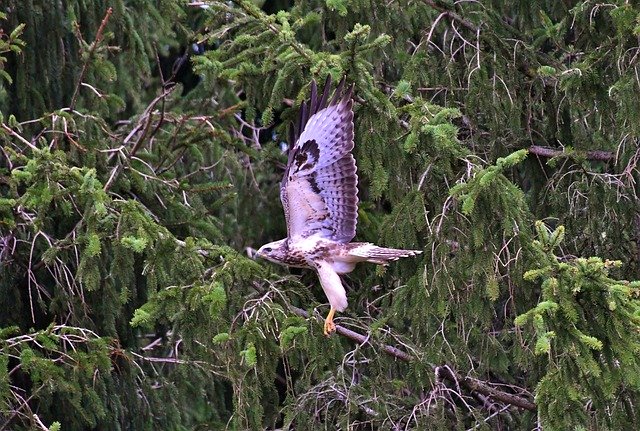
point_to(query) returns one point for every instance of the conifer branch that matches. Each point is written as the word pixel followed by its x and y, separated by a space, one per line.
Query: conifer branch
pixel 144 124
pixel 481 387
pixel 257 14
pixel 18 136
pixel 452 15
pixel 88 236
pixel 598 155
pixel 85 66
pixel 543 58
pixel 471 384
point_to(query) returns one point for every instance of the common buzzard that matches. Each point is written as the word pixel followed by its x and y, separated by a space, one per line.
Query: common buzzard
pixel 320 198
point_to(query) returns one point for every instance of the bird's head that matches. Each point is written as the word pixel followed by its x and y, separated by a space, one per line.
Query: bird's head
pixel 274 251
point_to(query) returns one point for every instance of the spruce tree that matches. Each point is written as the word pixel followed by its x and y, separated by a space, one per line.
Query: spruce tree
pixel 142 148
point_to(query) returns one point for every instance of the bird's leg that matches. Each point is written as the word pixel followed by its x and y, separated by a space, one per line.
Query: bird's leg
pixel 329 326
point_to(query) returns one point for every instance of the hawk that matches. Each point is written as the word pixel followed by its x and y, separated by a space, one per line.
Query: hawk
pixel 320 198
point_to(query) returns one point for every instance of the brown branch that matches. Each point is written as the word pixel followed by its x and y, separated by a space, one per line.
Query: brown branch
pixel 540 57
pixel 471 384
pixel 484 389
pixel 598 155
pixel 452 15
pixel 359 338
pixel 18 136
pixel 144 125
pixel 92 49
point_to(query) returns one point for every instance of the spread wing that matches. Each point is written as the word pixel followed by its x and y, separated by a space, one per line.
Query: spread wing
pixel 319 190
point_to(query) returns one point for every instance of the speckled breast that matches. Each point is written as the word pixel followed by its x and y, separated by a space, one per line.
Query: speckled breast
pixel 295 258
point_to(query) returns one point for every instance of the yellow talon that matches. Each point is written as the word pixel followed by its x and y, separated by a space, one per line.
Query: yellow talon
pixel 329 326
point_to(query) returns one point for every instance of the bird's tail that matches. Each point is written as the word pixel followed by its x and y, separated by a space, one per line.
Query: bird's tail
pixel 367 252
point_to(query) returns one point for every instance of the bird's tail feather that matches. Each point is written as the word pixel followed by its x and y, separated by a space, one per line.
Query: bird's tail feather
pixel 368 252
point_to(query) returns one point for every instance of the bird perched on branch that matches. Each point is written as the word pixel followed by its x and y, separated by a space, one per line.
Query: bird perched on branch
pixel 319 193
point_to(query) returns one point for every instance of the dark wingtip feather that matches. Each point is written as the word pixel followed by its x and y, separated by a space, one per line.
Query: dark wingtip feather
pixel 325 94
pixel 313 99
pixel 304 117
pixel 298 127
pixel 292 134
pixel 318 103
pixel 348 95
pixel 338 92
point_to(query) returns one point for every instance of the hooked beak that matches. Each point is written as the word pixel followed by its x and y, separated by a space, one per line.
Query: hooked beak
pixel 253 253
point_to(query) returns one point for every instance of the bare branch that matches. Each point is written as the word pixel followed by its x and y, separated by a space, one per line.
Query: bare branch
pixel 471 384
pixel 452 15
pixel 96 41
pixel 599 155
pixel 20 138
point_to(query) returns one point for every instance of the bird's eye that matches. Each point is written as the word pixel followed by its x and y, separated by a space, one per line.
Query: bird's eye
pixel 268 249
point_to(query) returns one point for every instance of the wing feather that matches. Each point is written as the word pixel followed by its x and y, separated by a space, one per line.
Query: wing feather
pixel 319 191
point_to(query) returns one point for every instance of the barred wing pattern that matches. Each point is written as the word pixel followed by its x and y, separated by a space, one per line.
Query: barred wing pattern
pixel 319 190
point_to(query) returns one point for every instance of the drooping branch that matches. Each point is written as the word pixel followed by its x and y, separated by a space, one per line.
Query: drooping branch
pixel 85 66
pixel 471 384
pixel 484 389
pixel 452 15
pixel 144 126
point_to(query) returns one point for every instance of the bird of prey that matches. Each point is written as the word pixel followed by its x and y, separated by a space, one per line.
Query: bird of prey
pixel 320 198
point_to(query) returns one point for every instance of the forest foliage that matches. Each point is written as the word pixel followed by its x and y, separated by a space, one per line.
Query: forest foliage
pixel 142 146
